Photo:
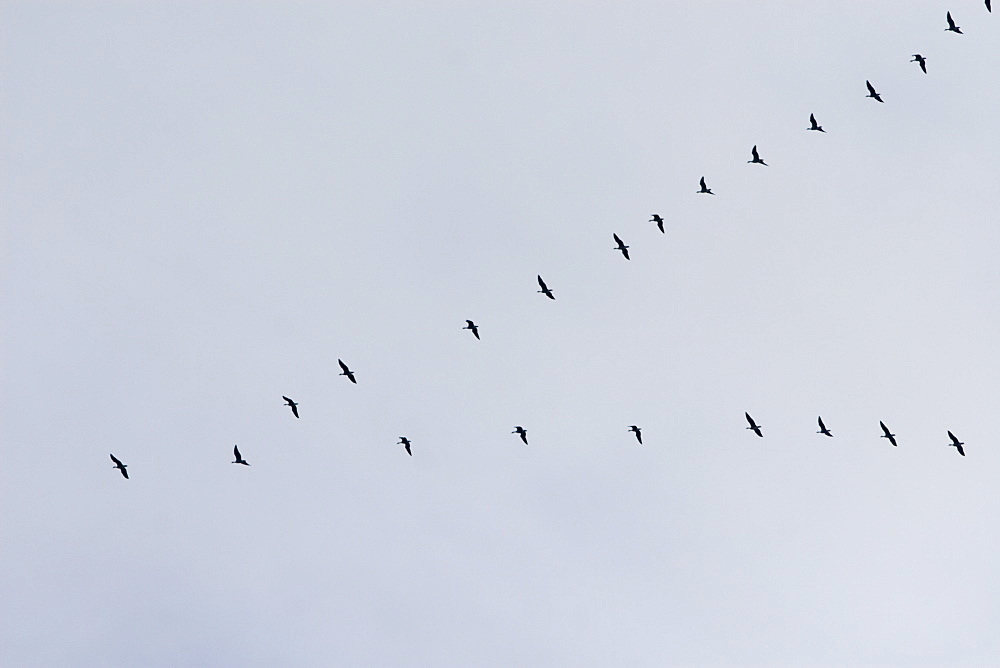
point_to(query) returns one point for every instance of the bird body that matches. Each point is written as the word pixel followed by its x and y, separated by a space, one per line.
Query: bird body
pixel 544 288
pixel 118 465
pixel 917 58
pixel 822 428
pixel 871 91
pixel 951 25
pixel 621 246
pixel 886 434
pixel 522 432
pixel 705 189
pixel 291 404
pixel 405 442
pixel 638 433
pixel 347 372
pixel 955 443
pixel 754 426
pixel 239 458
pixel 815 126
pixel 756 157
pixel 471 325
pixel 658 220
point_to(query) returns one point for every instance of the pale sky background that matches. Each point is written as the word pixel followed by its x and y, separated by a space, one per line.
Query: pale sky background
pixel 204 205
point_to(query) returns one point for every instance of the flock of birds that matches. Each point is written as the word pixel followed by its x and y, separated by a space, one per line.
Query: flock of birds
pixel 621 247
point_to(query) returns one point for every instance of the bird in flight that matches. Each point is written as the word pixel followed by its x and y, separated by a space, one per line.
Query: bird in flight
pixel 545 289
pixel 239 457
pixel 951 25
pixel 756 157
pixel 659 221
pixel 886 434
pixel 754 426
pixel 621 246
pixel 405 442
pixel 294 406
pixel 347 372
pixel 955 443
pixel 638 433
pixel 522 432
pixel 471 325
pixel 815 125
pixel 871 91
pixel 118 465
pixel 705 189
pixel 917 58
pixel 823 430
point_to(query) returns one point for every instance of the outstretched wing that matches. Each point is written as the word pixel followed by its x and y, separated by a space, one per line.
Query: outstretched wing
pixel 821 425
pixel 703 186
pixel 116 460
pixel 295 410
pixel 236 451
pixel 541 283
pixel 953 439
pixel 754 152
pixel 617 240
pixel 871 89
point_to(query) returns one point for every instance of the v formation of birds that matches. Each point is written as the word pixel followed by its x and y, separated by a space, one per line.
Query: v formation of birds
pixel 620 246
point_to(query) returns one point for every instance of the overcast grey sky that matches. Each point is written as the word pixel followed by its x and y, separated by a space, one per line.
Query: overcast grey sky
pixel 205 205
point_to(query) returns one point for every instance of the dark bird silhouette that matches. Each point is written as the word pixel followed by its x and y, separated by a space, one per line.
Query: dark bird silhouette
pixel 756 157
pixel 347 372
pixel 294 406
pixel 118 465
pixel 871 91
pixel 886 434
pixel 917 58
pixel 705 189
pixel 405 442
pixel 754 426
pixel 955 443
pixel 815 125
pixel 621 246
pixel 951 25
pixel 471 325
pixel 822 429
pixel 989 8
pixel 659 221
pixel 637 432
pixel 545 289
pixel 239 458
pixel 522 432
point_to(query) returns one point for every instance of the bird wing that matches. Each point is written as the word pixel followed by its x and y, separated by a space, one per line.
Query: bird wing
pixel 884 428
pixel 617 240
pixel 871 89
pixel 124 472
pixel 236 451
pixel 892 439
pixel 116 460
pixel 295 410
pixel 290 402
pixel 821 425
pixel 952 437
pixel 951 23
pixel 750 420
pixel 343 366
pixel 541 283
pixel 961 450
pixel 704 187
pixel 812 119
pixel 754 151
